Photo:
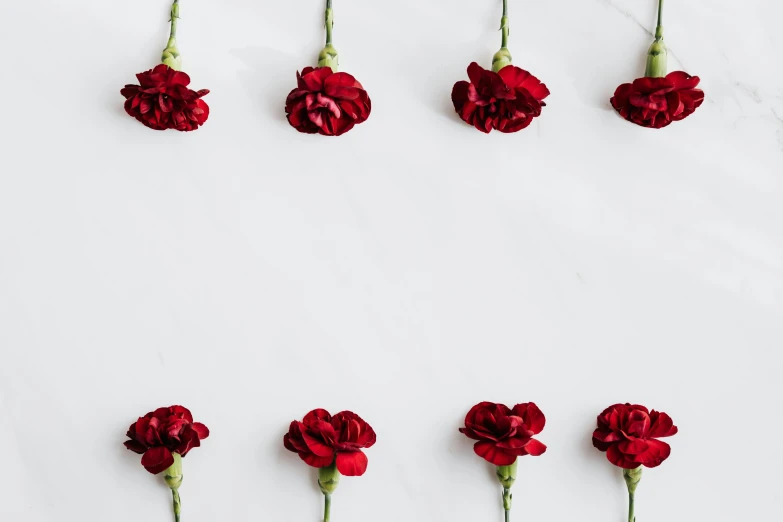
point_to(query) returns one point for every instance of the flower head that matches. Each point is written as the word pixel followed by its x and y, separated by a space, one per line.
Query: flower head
pixel 507 100
pixel 162 100
pixel 163 432
pixel 322 440
pixel 629 433
pixel 504 433
pixel 326 102
pixel 657 102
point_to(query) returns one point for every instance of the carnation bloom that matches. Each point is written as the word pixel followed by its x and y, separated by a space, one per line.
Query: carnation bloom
pixel 629 435
pixel 333 444
pixel 322 440
pixel 326 102
pixel 507 100
pixel 162 100
pixel 502 435
pixel 163 432
pixel 657 102
pixel 658 99
pixel 163 437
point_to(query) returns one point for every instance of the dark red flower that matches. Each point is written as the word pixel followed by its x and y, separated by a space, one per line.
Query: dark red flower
pixel 503 434
pixel 506 101
pixel 656 102
pixel 162 432
pixel 163 101
pixel 321 440
pixel 326 102
pixel 628 434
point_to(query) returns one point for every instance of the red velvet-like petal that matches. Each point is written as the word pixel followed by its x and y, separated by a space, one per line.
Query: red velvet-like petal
pixel 616 457
pixel 316 461
pixel 180 78
pixel 135 446
pixel 314 80
pixel 317 445
pixel 535 448
pixel 532 416
pixel 682 80
pixel 648 85
pixel 656 102
pixel 201 430
pixel 657 452
pixel 517 78
pixel 491 453
pixel 351 463
pixel 476 74
pixel 157 460
pixel 633 447
pixel 342 85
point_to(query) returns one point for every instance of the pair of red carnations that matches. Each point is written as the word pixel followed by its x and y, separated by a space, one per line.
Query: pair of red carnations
pixel 627 433
pixel 507 98
pixel 332 443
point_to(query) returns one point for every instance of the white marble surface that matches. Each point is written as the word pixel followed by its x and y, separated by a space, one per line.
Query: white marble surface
pixel 406 270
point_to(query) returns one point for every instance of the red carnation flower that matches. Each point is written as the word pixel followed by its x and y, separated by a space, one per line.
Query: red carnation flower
pixel 659 98
pixel 162 100
pixel 504 433
pixel 628 434
pixel 322 440
pixel 326 102
pixel 507 100
pixel 163 432
pixel 656 102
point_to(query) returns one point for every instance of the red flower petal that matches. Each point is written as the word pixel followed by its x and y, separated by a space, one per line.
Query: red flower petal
pixel 351 463
pixel 314 80
pixel 317 446
pixel 157 460
pixel 682 80
pixel 633 447
pixel 532 416
pixel 316 461
pixel 491 453
pixel 342 85
pixel 475 73
pixel 201 430
pixel 657 452
pixel 534 448
pixel 135 447
pixel 616 457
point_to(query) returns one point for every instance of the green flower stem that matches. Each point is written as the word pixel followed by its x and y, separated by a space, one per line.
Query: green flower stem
pixel 504 25
pixel 632 478
pixel 173 478
pixel 327 507
pixel 328 480
pixel 329 22
pixel 657 55
pixel 506 476
pixel 177 505
pixel 502 58
pixel 174 19
pixel 171 56
pixel 328 55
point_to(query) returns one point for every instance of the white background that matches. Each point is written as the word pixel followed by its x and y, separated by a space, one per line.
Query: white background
pixel 405 271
